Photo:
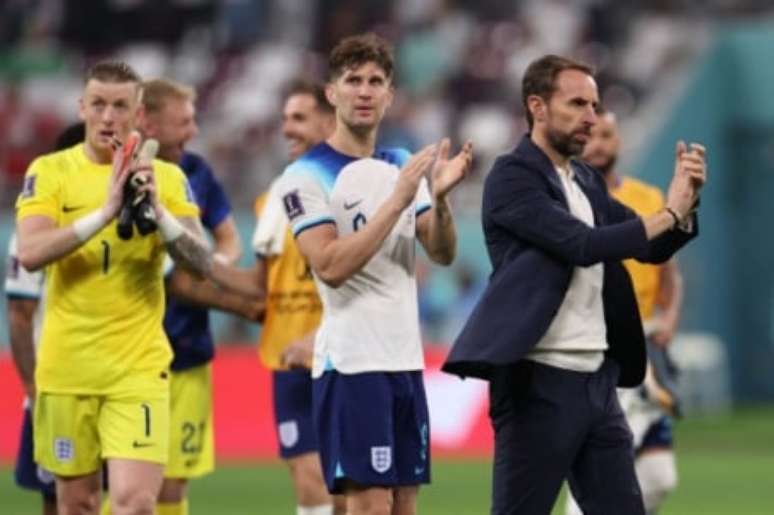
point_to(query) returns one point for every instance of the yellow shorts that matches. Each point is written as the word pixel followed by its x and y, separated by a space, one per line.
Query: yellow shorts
pixel 74 433
pixel 191 437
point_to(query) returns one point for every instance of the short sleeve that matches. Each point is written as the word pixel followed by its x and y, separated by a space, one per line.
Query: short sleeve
pixel 304 201
pixel 20 283
pixel 423 200
pixel 40 194
pixel 271 224
pixel 175 192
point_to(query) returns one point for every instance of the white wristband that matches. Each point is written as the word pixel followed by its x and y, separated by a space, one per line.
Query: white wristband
pixel 87 226
pixel 169 227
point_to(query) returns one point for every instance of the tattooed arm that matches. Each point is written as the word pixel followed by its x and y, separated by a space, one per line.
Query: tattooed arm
pixel 191 250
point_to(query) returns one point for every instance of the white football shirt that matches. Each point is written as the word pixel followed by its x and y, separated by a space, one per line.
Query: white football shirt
pixel 371 322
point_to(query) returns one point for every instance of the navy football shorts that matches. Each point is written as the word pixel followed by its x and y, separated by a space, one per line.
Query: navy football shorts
pixel 28 474
pixel 373 428
pixel 293 412
pixel 659 435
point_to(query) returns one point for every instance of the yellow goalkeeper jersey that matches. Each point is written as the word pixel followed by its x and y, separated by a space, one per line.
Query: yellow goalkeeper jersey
pixel 644 200
pixel 293 307
pixel 102 328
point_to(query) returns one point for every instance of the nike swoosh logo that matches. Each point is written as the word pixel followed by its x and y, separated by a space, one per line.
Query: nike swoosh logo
pixel 69 209
pixel 353 204
pixel 418 471
pixel 138 445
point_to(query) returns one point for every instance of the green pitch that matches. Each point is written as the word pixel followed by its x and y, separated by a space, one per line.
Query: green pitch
pixel 726 467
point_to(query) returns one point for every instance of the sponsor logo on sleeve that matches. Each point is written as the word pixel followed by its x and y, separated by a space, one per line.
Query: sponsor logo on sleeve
pixel 293 206
pixel 28 190
pixel 12 267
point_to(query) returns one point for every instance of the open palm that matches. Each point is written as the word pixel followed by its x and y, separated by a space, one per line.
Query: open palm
pixel 447 173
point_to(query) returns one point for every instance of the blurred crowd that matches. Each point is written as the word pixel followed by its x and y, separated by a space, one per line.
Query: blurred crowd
pixel 459 64
pixel 459 69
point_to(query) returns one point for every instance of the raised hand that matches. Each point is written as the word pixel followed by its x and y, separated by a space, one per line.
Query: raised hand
pixel 695 165
pixel 411 175
pixel 690 174
pixel 447 173
pixel 122 158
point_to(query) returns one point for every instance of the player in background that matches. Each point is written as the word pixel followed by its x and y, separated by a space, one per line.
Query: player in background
pixel 293 308
pixel 105 303
pixel 24 296
pixel 24 299
pixel 659 291
pixel 356 212
pixel 169 117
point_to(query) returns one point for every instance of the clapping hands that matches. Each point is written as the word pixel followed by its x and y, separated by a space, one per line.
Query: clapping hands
pixel 690 175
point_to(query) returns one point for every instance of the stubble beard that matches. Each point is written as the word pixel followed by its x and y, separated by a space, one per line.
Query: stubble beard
pixel 564 143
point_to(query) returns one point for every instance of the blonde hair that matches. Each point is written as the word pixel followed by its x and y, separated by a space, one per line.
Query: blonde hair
pixel 156 92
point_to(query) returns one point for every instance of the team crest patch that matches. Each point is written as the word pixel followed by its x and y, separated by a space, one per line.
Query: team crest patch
pixel 293 206
pixel 64 449
pixel 12 267
pixel 381 459
pixel 288 433
pixel 44 476
pixel 28 190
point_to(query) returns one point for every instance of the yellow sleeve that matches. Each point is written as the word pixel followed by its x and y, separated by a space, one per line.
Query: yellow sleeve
pixel 40 194
pixel 175 193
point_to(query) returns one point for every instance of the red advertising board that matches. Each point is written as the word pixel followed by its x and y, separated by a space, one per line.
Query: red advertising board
pixel 244 419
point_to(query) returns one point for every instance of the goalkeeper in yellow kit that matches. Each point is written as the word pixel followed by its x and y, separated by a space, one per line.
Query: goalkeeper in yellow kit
pixel 102 373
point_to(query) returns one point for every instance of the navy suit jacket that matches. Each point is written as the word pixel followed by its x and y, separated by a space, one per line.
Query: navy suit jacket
pixel 534 242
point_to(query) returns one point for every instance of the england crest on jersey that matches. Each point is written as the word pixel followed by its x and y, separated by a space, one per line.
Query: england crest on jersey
pixel 381 458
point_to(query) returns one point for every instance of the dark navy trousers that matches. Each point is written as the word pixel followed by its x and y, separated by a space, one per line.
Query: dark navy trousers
pixel 553 424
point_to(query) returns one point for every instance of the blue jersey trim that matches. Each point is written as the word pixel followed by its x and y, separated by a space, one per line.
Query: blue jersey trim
pixel 423 208
pixel 312 223
pixel 21 295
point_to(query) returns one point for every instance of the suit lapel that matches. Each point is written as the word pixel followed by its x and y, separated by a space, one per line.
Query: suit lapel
pixel 532 154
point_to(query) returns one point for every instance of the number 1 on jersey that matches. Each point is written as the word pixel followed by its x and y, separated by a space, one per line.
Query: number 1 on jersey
pixel 147 412
pixel 105 256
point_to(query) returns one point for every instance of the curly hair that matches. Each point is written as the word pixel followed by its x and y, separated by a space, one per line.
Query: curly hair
pixel 354 51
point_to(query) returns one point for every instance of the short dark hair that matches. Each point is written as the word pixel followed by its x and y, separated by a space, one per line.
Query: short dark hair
pixel 354 51
pixel 540 78
pixel 313 89
pixel 112 71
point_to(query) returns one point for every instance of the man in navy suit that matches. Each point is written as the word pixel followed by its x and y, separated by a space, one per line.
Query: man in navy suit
pixel 558 326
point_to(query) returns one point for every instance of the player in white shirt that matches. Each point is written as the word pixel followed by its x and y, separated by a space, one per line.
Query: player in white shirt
pixel 356 212
pixel 24 295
